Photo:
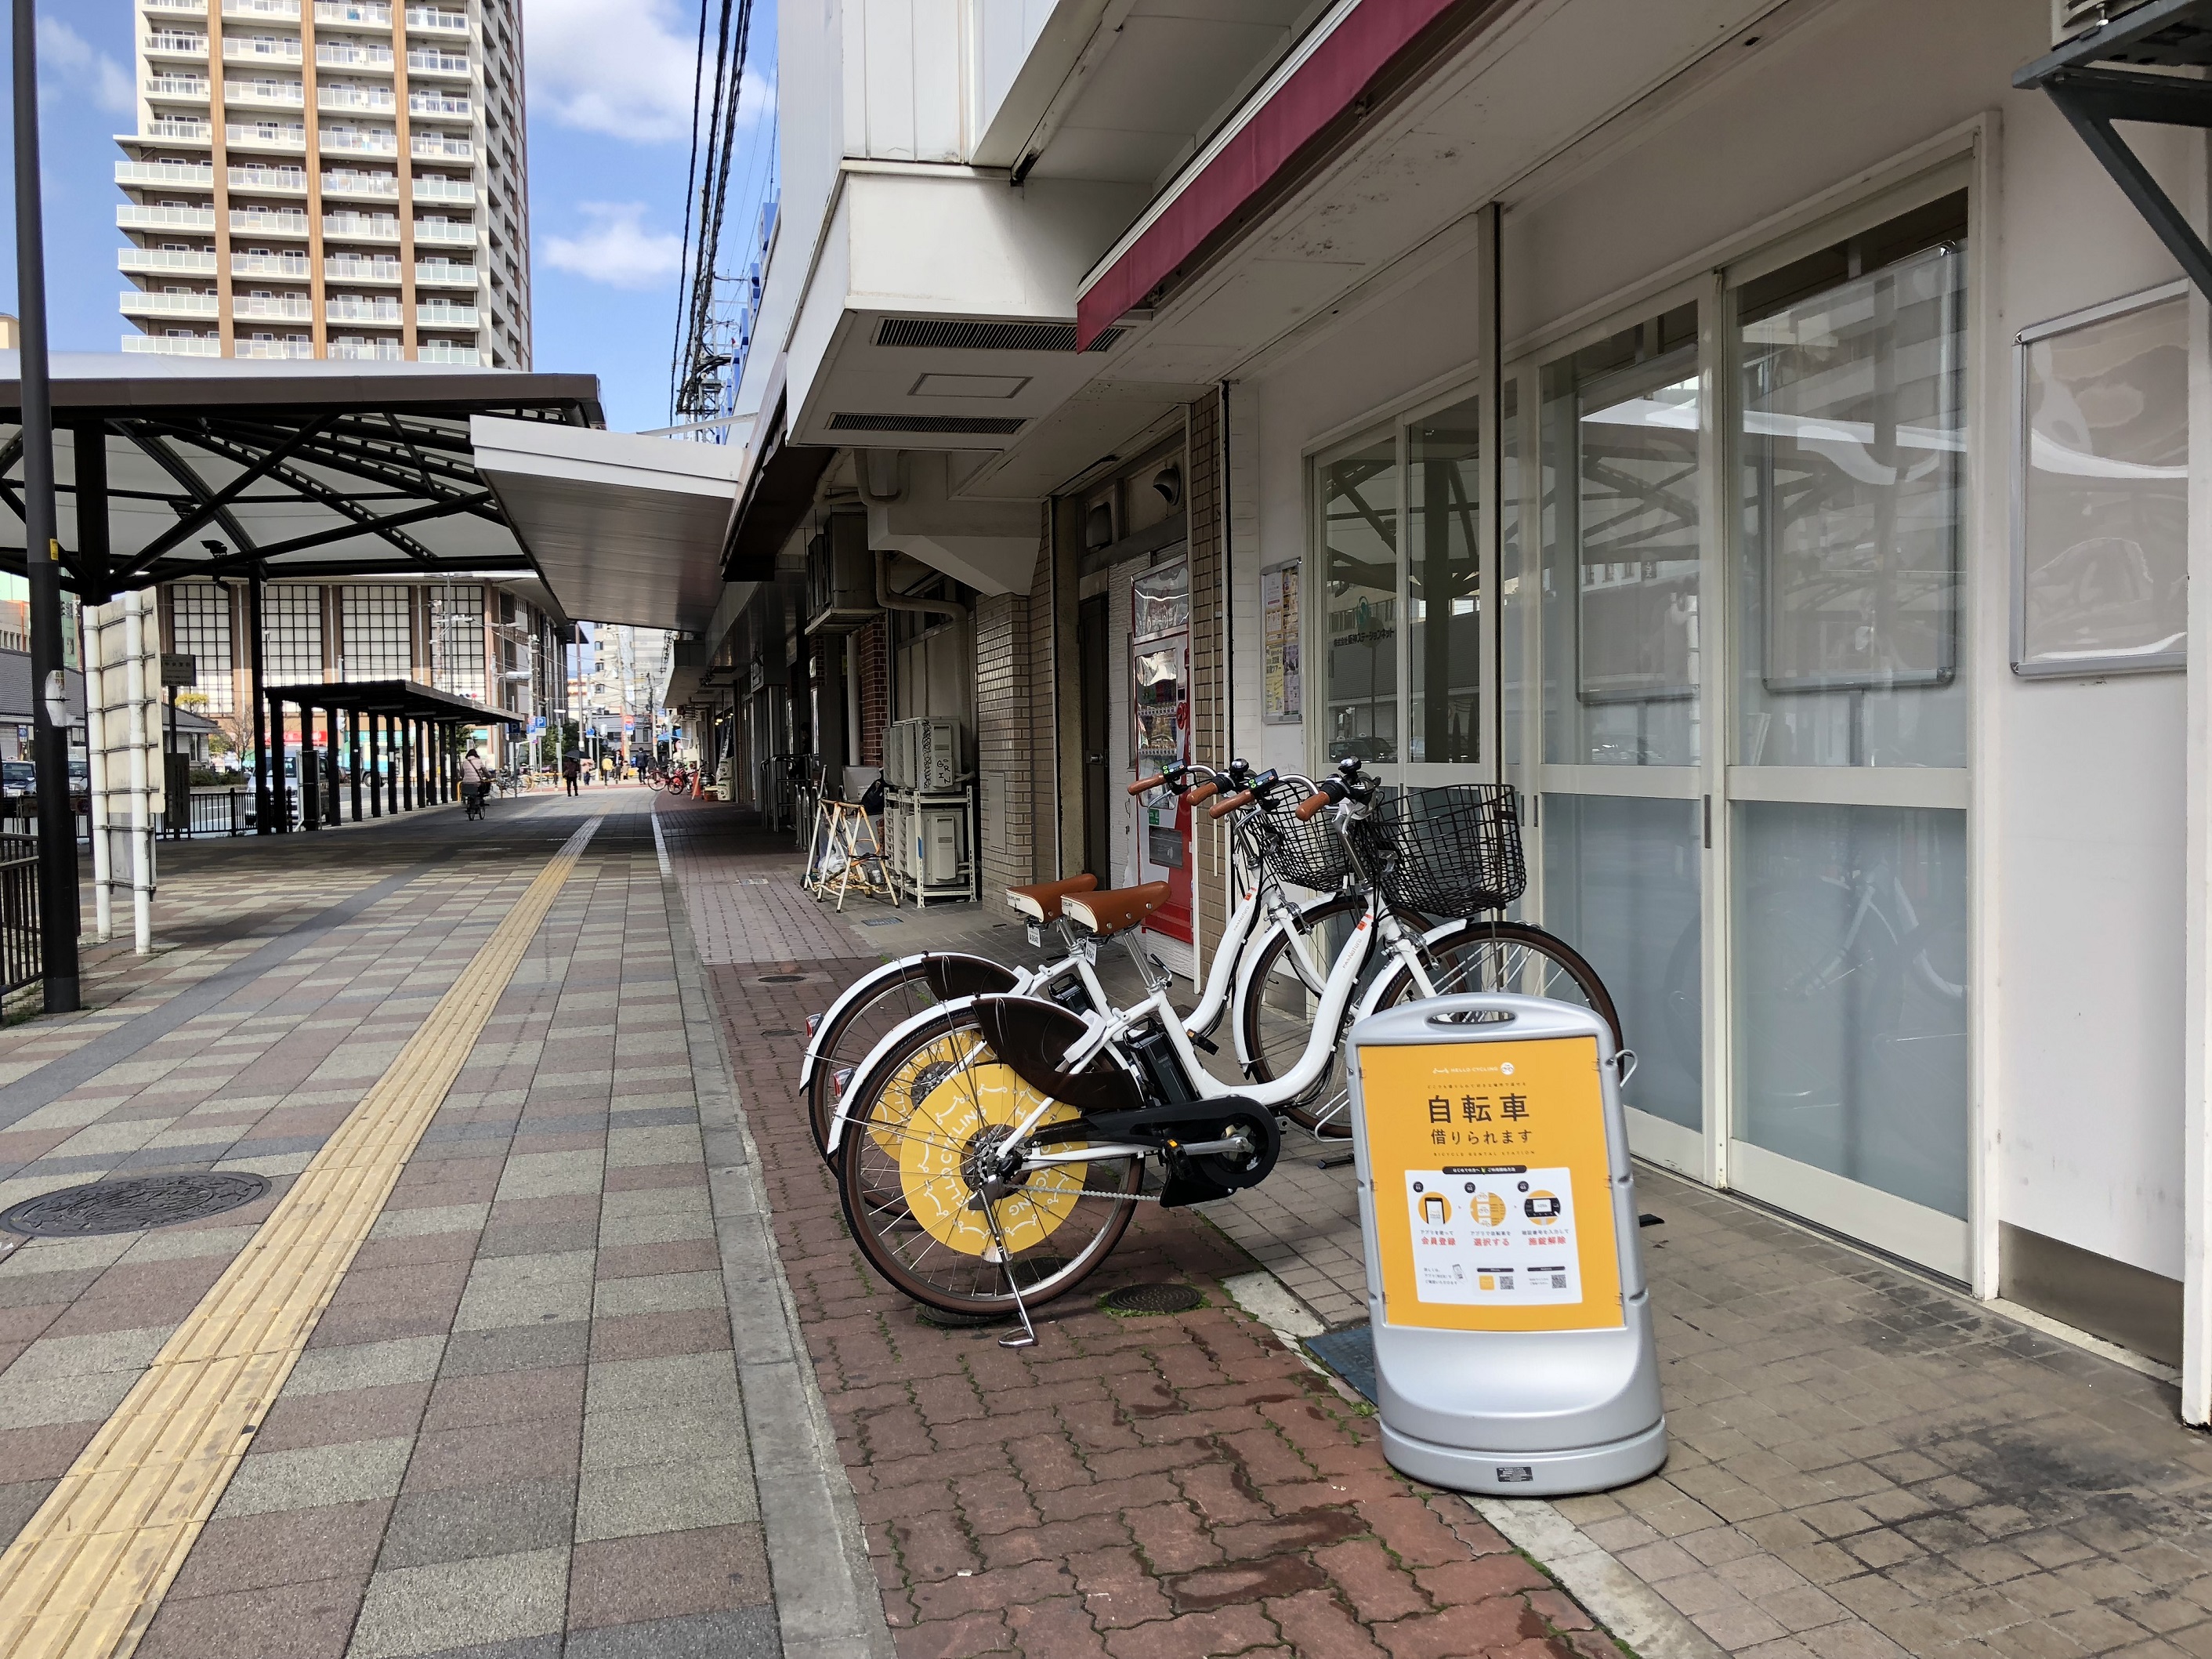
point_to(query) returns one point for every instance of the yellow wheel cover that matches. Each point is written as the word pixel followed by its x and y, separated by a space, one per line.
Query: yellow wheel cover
pixel 953 1092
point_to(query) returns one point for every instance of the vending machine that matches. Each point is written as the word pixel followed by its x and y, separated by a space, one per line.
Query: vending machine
pixel 1159 685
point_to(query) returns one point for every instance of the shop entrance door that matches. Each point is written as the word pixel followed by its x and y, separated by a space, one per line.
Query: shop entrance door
pixel 1159 684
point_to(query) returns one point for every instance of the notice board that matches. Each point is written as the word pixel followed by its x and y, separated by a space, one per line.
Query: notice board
pixel 1492 1185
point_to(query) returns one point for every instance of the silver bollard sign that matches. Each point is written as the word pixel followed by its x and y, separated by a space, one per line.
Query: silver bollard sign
pixel 1513 1344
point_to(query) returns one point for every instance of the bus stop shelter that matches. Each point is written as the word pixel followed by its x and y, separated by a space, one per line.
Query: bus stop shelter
pixel 402 746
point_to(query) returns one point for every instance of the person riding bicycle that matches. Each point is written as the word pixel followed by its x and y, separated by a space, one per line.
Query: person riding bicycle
pixel 476 778
pixel 572 768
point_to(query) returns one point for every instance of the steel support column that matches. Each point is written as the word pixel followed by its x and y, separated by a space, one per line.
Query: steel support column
pixel 311 772
pixel 353 757
pixel 262 813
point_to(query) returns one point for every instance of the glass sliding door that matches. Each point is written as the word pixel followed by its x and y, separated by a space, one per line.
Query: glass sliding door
pixel 1444 589
pixel 1847 784
pixel 1359 578
pixel 1619 476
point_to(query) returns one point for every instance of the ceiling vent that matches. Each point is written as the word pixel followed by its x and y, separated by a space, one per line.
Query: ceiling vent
pixel 962 335
pixel 2069 18
pixel 991 425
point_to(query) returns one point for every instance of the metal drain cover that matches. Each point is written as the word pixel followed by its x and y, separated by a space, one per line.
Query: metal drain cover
pixel 781 979
pixel 1153 1298
pixel 132 1203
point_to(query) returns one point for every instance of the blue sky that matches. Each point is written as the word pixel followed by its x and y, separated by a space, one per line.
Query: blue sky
pixel 610 109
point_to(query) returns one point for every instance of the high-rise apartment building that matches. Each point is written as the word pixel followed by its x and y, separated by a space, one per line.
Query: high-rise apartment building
pixel 328 178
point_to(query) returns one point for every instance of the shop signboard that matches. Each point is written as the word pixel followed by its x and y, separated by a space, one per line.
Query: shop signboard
pixel 1512 1330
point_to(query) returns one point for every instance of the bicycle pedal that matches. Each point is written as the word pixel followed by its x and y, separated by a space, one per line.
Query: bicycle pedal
pixel 1204 1044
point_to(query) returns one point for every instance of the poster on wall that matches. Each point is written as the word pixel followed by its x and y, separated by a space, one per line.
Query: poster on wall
pixel 1282 697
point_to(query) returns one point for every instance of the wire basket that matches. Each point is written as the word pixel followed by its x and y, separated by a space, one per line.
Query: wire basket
pixel 1455 850
pixel 1301 854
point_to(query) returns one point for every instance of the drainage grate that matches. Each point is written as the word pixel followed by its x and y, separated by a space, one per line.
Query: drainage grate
pixel 991 425
pixel 779 1031
pixel 132 1203
pixel 1152 1299
pixel 781 979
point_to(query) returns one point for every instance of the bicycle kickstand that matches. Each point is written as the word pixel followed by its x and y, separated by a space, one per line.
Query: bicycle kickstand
pixel 1028 1339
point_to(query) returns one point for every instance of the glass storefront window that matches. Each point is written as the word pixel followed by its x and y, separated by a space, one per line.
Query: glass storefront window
pixel 1444 496
pixel 1850 976
pixel 2104 578
pixel 1358 602
pixel 1513 592
pixel 1851 439
pixel 1622 545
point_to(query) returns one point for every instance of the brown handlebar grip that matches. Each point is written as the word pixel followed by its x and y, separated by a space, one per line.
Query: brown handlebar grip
pixel 1145 786
pixel 1229 803
pixel 1204 792
pixel 1311 807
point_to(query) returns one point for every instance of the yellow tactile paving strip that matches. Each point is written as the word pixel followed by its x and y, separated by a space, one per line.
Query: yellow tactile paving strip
pixel 85 1578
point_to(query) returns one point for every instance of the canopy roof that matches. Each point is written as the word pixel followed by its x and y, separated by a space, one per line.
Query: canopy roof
pixel 308 470
pixel 408 698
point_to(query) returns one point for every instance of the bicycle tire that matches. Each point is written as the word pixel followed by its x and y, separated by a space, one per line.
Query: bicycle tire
pixel 1492 940
pixel 1265 1065
pixel 878 1147
pixel 904 992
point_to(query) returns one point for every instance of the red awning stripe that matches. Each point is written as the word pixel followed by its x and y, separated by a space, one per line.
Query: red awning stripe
pixel 1316 92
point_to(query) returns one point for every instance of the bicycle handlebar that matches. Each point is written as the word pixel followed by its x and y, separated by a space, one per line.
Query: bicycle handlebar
pixel 1229 803
pixel 1204 792
pixel 1312 806
pixel 1145 786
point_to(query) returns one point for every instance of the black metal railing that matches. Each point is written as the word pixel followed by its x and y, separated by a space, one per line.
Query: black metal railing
pixel 19 912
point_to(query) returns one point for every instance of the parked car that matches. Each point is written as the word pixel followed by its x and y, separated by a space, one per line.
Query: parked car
pixel 18 777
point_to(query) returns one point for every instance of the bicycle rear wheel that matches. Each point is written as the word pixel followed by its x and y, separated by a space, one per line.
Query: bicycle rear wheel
pixel 1505 955
pixel 900 990
pixel 919 1203
pixel 1279 1011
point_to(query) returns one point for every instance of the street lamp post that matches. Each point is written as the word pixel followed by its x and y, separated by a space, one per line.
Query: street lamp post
pixel 58 899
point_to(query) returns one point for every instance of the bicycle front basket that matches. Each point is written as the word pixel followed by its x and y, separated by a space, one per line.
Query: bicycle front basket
pixel 1301 854
pixel 1457 848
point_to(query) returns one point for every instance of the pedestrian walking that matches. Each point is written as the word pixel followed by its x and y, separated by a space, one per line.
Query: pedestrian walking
pixel 572 768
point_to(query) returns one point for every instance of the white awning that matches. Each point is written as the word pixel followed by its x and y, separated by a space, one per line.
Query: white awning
pixel 626 529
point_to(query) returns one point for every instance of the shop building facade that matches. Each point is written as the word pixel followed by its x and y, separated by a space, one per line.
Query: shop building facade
pixel 1759 433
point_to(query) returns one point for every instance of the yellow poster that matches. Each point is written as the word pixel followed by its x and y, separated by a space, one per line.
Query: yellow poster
pixel 1493 1194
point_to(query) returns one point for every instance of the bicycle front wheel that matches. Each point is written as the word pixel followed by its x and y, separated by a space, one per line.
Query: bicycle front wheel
pixel 896 993
pixel 919 1197
pixel 1277 1012
pixel 1504 955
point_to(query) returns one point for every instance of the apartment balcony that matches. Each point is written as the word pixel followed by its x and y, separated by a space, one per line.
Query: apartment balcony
pixel 364 14
pixel 437 315
pixel 442 146
pixel 361 308
pixel 266 94
pixel 368 351
pixel 433 62
pixel 357 141
pixel 261 49
pixel 438 106
pixel 430 20
pixel 352 268
pixel 265 135
pixel 165 126
pixel 272 307
pixel 442 230
pixel 433 273
pixel 349 54
pixel 194 87
pixel 298 345
pixel 372 185
pixel 275 11
pixel 130 216
pixel 380 100
pixel 165 261
pixel 175 345
pixel 282 181
pixel 445 190
pixel 288 267
pixel 362 227
pixel 441 352
pixel 174 7
pixel 138 303
pixel 166 175
pixel 262 222
pixel 162 44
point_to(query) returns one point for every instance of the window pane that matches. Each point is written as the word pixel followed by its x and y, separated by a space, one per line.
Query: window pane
pixel 292 626
pixel 1851 989
pixel 1359 599
pixel 378 638
pixel 1443 584
pixel 1853 437
pixel 1514 593
pixel 201 613
pixel 1621 548
pixel 457 613
pixel 1621 880
pixel 2105 576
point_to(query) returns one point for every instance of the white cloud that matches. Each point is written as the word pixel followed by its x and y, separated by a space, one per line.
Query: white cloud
pixel 620 67
pixel 616 249
pixel 84 69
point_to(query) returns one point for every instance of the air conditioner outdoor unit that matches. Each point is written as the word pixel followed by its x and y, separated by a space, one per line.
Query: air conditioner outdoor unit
pixel 840 575
pixel 937 754
pixel 898 756
pixel 940 836
pixel 2071 17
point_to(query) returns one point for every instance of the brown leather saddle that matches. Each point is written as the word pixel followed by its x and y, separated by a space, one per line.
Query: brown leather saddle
pixel 1108 913
pixel 1042 903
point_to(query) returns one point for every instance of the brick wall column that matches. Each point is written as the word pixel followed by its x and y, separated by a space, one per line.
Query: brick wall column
pixel 1209 683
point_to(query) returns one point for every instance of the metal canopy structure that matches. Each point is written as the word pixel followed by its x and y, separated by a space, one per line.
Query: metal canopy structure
pixel 2160 35
pixel 308 470
pixel 401 699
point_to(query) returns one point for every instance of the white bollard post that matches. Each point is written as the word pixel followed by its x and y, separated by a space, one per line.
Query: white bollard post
pixel 142 818
pixel 96 619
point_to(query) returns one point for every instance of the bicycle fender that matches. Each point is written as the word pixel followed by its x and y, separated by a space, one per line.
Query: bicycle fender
pixel 943 1011
pixel 950 973
pixel 846 998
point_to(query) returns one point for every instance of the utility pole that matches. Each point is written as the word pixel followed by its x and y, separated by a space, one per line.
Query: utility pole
pixel 57 905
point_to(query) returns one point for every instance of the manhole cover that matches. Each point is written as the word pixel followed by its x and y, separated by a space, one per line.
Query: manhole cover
pixel 132 1202
pixel 1152 1299
pixel 779 1031
pixel 781 979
